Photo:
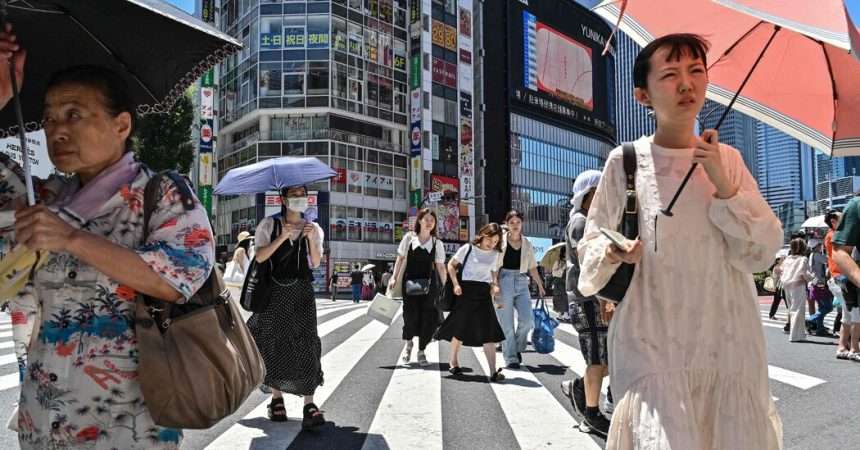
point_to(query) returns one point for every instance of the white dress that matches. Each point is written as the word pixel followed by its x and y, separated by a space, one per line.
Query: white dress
pixel 687 355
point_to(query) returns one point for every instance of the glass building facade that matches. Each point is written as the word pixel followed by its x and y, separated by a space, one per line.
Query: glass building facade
pixel 737 130
pixel 325 79
pixel 544 162
pixel 785 174
pixel 632 120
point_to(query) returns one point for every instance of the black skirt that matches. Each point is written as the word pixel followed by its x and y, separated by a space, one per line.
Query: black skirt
pixel 286 335
pixel 473 320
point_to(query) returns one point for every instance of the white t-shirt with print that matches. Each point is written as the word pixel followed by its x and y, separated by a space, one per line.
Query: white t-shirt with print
pixel 480 265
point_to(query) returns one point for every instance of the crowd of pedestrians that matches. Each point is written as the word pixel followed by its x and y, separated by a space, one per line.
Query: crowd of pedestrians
pixel 684 346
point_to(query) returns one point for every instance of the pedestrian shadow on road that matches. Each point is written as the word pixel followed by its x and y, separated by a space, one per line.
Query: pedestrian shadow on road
pixel 329 436
pixel 807 341
pixel 470 376
pixel 550 369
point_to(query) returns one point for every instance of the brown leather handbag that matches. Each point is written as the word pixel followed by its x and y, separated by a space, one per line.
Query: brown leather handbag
pixel 197 361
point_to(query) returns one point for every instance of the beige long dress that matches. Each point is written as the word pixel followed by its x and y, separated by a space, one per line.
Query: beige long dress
pixel 687 354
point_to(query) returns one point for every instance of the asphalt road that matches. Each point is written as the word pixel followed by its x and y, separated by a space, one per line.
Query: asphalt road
pixel 373 401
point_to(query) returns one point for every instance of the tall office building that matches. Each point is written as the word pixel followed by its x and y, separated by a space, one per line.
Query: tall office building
pixel 325 79
pixel 548 111
pixel 737 130
pixel 442 142
pixel 837 179
pixel 785 175
pixel 632 120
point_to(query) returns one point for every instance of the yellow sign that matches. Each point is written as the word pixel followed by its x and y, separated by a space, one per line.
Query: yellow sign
pixel 450 38
pixel 439 33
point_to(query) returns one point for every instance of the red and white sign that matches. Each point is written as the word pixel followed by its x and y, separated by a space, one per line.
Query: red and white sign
pixel 207 103
pixel 206 133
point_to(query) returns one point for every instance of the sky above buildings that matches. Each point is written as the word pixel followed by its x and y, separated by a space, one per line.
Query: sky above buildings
pixel 187 5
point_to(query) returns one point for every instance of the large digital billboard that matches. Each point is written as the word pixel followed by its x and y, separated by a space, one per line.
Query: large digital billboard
pixel 557 70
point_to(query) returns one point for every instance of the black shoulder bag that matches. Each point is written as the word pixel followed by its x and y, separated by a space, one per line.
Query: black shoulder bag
pixel 421 286
pixel 257 288
pixel 617 286
pixel 445 301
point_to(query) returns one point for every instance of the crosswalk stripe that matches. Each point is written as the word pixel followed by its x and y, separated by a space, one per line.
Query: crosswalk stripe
pixel 5 334
pixel 325 312
pixel 321 305
pixel 336 364
pixel 529 419
pixel 5 327
pixel 9 358
pixel 795 379
pixel 327 327
pixel 9 381
pixel 404 424
pixel 7 344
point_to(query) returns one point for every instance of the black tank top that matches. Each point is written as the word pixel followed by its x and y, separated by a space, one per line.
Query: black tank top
pixel 512 258
pixel 419 263
pixel 290 260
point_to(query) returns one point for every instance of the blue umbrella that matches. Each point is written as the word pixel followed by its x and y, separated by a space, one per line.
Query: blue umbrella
pixel 273 175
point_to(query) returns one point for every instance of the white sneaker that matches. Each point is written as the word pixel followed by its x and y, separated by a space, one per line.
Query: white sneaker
pixel 842 354
pixel 407 354
pixel 853 356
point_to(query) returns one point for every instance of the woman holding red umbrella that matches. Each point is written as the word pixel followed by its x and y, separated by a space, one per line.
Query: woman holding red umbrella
pixel 687 355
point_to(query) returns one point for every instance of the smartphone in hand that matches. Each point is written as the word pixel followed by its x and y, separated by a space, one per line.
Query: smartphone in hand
pixel 618 239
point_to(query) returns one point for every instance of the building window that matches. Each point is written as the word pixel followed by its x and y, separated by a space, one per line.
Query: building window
pixel 318 32
pixel 270 82
pixel 294 83
pixel 318 79
pixel 356 39
pixel 338 26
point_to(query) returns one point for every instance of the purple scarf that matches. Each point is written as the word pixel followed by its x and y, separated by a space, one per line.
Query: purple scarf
pixel 86 201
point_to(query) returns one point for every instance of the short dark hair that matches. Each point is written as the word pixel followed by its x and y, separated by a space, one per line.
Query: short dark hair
pixel 514 213
pixel 830 217
pixel 487 231
pixel 797 247
pixel 285 190
pixel 421 215
pixel 678 43
pixel 110 84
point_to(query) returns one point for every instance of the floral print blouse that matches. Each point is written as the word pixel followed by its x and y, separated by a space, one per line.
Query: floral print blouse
pixel 80 388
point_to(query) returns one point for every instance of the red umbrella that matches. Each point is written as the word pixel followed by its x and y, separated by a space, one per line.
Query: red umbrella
pixel 787 63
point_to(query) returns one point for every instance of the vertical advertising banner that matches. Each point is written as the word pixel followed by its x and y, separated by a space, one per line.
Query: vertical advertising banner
pixel 207 11
pixel 207 122
pixel 448 208
pixel 466 85
pixel 204 158
pixel 207 103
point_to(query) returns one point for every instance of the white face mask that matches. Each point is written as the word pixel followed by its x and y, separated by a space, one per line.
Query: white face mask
pixel 298 204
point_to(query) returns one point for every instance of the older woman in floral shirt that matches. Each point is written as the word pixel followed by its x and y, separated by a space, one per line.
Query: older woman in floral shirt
pixel 80 389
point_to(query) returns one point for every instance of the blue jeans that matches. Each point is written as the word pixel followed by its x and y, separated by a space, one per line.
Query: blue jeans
pixel 825 305
pixel 515 295
pixel 356 292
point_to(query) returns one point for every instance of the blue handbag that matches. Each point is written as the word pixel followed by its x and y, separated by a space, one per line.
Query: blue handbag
pixel 543 335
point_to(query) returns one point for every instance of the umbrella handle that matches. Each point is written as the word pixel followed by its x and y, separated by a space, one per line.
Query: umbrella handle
pixel 22 135
pixel 19 113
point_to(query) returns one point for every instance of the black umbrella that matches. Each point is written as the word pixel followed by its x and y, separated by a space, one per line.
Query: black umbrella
pixel 159 49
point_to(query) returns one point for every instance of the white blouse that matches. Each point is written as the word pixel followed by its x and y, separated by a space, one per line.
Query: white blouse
pixel 411 241
pixel 481 263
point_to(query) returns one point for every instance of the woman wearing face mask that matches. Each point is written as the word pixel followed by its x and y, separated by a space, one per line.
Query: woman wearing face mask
pixel 286 332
